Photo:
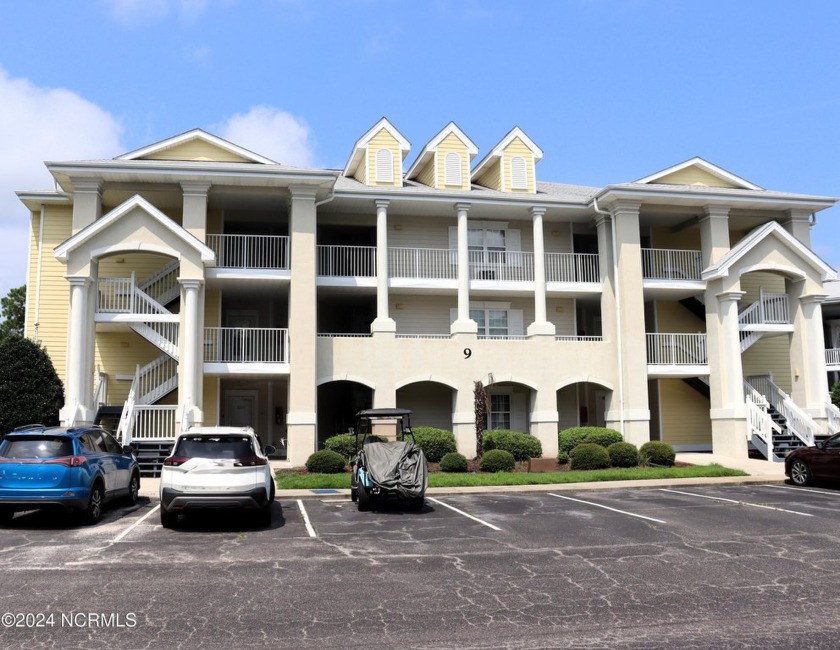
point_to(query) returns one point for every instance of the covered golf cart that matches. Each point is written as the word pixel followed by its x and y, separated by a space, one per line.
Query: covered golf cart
pixel 394 469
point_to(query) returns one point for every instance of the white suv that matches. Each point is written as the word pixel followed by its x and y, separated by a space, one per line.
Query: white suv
pixel 217 467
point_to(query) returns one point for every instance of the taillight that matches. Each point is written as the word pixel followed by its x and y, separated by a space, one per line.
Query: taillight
pixel 174 461
pixel 251 461
pixel 67 461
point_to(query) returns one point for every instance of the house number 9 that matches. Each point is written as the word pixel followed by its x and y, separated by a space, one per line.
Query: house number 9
pixel 467 353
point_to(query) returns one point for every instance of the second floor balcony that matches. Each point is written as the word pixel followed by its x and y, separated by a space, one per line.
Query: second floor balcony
pixel 677 355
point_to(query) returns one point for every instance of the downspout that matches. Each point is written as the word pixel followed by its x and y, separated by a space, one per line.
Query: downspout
pixel 37 316
pixel 617 288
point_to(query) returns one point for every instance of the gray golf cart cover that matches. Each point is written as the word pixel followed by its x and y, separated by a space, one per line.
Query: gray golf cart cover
pixel 399 466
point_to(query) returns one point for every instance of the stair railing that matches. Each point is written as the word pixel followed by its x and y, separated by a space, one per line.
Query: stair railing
pixel 156 379
pixel 100 391
pixel 162 285
pixel 833 415
pixel 799 423
pixel 125 428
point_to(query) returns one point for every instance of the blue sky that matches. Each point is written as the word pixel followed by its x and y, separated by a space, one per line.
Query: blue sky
pixel 611 90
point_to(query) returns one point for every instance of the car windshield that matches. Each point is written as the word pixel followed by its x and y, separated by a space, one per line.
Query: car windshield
pixel 36 447
pixel 214 447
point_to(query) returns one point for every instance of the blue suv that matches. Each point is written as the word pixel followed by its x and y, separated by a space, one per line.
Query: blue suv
pixel 77 469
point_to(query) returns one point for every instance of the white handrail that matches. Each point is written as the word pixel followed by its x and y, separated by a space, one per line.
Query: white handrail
pixel 832 413
pixel 769 309
pixel 799 423
pixel 424 263
pixel 347 261
pixel 126 425
pixel 246 345
pixel 677 349
pixel 250 251
pixel 572 267
pixel 100 392
pixel 671 264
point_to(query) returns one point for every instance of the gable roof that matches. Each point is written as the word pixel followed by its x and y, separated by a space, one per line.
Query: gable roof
pixel 496 152
pixel 89 232
pixel 706 166
pixel 769 229
pixel 190 136
pixel 429 149
pixel 357 155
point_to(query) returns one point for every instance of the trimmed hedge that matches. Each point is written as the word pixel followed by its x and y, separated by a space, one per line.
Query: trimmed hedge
pixel 497 460
pixel 435 443
pixel 570 438
pixel 521 445
pixel 325 461
pixel 623 454
pixel 589 456
pixel 344 444
pixel 563 457
pixel 453 462
pixel 657 453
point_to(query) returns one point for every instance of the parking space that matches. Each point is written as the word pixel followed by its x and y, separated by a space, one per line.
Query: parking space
pixel 568 519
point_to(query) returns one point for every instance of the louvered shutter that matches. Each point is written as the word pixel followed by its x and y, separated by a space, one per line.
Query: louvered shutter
pixel 452 173
pixel 384 166
pixel 516 322
pixel 518 173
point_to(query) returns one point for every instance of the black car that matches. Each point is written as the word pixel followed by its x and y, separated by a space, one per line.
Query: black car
pixel 822 461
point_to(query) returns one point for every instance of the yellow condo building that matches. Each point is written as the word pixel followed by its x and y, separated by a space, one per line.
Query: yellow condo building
pixel 196 282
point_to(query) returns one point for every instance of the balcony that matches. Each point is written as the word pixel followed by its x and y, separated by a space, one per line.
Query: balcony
pixel 677 355
pixel 671 264
pixel 832 359
pixel 246 350
pixel 249 256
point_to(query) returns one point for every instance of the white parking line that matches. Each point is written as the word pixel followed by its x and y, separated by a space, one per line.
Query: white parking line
pixel 599 505
pixel 306 519
pixel 801 489
pixel 740 503
pixel 461 512
pixel 135 524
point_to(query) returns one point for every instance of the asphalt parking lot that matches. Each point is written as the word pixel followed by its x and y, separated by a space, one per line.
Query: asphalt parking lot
pixel 708 566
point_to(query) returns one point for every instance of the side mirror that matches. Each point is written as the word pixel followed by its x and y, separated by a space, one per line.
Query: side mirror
pixel 270 449
pixel 127 449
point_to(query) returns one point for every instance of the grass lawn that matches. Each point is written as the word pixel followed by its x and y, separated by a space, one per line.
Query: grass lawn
pixel 298 481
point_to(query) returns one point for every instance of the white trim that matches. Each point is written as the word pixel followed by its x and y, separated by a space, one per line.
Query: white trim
pixel 707 167
pixel 196 134
pixel 497 151
pixel 361 145
pixel 431 146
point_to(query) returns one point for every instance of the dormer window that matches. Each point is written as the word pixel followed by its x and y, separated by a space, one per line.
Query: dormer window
pixel 384 166
pixel 453 169
pixel 518 173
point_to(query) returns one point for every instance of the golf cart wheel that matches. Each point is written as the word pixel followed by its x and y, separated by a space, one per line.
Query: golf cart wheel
pixel 416 503
pixel 354 494
pixel 363 497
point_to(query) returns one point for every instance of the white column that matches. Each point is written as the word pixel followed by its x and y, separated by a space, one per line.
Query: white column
pixel 195 208
pixel 807 346
pixel 714 234
pixel 79 364
pixel 382 323
pixel 87 202
pixel 464 325
pixel 540 326
pixel 192 331
pixel 798 224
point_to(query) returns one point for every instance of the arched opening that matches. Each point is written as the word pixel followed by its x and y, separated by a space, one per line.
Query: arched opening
pixel 509 406
pixel 582 404
pixel 431 403
pixel 338 403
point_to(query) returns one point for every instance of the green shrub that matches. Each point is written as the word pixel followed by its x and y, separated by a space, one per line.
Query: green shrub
pixel 521 445
pixel 30 390
pixel 588 455
pixel 326 461
pixel 563 457
pixel 435 443
pixel 568 439
pixel 453 462
pixel 623 454
pixel 497 460
pixel 344 444
pixel 657 453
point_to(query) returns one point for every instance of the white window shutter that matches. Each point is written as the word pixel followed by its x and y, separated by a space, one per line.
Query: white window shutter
pixel 513 247
pixel 516 322
pixel 384 166
pixel 452 173
pixel 453 245
pixel 518 173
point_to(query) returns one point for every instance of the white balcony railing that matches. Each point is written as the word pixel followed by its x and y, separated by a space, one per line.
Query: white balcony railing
pixel 501 265
pixel 246 345
pixel 422 263
pixel 572 267
pixel 578 339
pixel 677 349
pixel 123 296
pixel 154 422
pixel 769 309
pixel 671 264
pixel 832 357
pixel 347 261
pixel 250 251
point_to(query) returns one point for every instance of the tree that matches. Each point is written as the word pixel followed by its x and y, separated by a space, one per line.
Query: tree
pixel 13 308
pixel 481 408
pixel 835 393
pixel 30 390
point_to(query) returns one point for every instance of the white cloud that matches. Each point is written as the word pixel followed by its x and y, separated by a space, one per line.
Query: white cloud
pixel 134 13
pixel 272 133
pixel 38 124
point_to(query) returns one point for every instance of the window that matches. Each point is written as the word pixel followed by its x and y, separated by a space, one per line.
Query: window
pixel 518 173
pixel 486 246
pixel 491 322
pixel 452 169
pixel 384 166
pixel 499 416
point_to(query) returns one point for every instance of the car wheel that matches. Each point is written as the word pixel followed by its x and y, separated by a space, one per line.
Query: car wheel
pixel 168 519
pixel 93 513
pixel 273 493
pixel 800 474
pixel 416 503
pixel 6 515
pixel 363 496
pixel 133 489
pixel 264 517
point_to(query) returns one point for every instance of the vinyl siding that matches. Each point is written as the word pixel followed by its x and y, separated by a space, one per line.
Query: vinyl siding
pixel 770 355
pixel 384 140
pixel 672 317
pixel 684 413
pixel 119 353
pixel 142 265
pixel 492 176
pixel 196 150
pixel 427 174
pixel 686 239
pixel 430 403
pixel 421 314
pixel 212 303
pixel 560 312
pixel 210 405
pixel 693 176
pixel 519 148
pixel 452 143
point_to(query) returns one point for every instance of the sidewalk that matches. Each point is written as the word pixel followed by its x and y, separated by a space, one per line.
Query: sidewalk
pixel 760 471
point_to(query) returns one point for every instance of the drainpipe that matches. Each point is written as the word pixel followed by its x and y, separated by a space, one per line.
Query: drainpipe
pixel 37 316
pixel 617 288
